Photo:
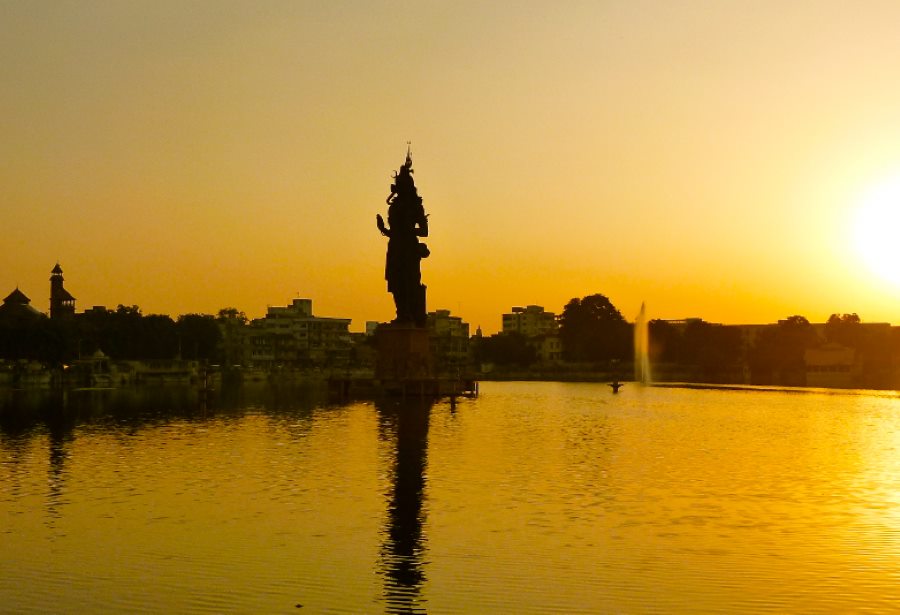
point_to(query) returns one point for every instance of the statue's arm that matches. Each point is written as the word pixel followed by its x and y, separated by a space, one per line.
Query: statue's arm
pixel 379 221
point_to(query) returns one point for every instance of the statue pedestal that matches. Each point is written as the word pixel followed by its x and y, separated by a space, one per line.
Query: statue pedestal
pixel 404 354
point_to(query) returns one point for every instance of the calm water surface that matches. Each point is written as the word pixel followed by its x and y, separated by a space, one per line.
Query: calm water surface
pixel 534 498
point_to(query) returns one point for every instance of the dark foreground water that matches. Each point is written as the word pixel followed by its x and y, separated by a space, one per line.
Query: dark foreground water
pixel 534 498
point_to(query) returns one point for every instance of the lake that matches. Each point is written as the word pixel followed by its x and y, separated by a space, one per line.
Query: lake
pixel 533 498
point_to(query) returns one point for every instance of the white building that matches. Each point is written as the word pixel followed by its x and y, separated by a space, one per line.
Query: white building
pixel 291 337
pixel 541 328
pixel 530 321
pixel 449 339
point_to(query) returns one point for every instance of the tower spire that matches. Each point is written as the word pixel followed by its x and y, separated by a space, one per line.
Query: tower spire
pixel 62 303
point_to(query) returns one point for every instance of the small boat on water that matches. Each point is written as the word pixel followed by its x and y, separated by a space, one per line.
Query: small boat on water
pixel 615 385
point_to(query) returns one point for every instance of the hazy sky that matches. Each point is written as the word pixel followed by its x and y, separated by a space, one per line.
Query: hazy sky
pixel 708 158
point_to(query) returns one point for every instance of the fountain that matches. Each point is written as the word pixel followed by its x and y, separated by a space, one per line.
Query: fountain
pixel 642 348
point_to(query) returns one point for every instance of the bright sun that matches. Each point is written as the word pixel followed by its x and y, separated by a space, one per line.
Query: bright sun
pixel 877 230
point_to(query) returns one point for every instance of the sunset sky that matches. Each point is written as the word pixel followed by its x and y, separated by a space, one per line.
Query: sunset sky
pixel 710 158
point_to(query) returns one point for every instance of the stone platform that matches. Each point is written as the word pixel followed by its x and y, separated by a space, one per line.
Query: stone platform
pixel 404 353
pixel 404 367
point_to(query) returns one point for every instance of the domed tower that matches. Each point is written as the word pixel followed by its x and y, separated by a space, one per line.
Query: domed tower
pixel 62 304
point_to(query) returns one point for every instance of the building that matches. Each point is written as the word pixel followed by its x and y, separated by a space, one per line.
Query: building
pixel 548 348
pixel 291 337
pixel 62 304
pixel 831 365
pixel 539 327
pixel 16 308
pixel 449 339
pixel 530 321
pixel 363 354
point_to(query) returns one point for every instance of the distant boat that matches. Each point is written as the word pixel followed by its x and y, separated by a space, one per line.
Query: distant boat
pixel 615 385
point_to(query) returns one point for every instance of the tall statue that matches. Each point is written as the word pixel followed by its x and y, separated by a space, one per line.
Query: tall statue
pixel 407 221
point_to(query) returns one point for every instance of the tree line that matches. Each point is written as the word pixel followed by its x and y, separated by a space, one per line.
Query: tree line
pixel 593 331
pixel 123 333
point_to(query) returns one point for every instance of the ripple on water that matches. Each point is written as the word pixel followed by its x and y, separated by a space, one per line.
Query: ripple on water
pixel 534 498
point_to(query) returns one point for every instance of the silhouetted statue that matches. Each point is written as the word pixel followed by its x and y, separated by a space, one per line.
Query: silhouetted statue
pixel 407 222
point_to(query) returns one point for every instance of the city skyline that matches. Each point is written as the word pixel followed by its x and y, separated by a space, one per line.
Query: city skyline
pixel 712 160
pixel 363 325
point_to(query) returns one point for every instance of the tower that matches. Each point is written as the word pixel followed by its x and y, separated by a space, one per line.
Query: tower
pixel 62 304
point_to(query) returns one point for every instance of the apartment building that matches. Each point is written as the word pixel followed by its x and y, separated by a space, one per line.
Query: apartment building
pixel 292 337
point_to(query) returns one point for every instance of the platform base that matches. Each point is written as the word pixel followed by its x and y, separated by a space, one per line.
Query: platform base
pixel 404 353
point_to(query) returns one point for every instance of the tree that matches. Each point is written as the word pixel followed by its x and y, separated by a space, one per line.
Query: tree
pixel 231 323
pixel 158 338
pixel 231 314
pixel 127 334
pixel 506 349
pixel 37 339
pixel 199 335
pixel 592 329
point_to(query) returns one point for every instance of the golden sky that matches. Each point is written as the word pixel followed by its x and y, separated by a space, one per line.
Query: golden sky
pixel 708 158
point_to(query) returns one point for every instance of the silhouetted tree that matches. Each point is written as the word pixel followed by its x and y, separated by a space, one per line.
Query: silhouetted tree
pixel 158 338
pixel 121 336
pixel 126 334
pixel 36 339
pixel 199 335
pixel 123 333
pixel 506 349
pixel 231 314
pixel 231 323
pixel 592 329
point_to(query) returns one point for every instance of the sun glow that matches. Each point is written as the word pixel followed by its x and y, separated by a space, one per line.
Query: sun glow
pixel 877 231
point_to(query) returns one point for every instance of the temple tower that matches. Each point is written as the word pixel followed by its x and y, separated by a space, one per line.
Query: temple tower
pixel 62 304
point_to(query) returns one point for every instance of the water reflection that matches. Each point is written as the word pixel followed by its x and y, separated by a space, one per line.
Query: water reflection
pixel 536 498
pixel 60 432
pixel 26 413
pixel 58 417
pixel 404 423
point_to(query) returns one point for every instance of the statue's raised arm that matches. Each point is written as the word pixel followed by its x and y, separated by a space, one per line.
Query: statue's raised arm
pixel 379 222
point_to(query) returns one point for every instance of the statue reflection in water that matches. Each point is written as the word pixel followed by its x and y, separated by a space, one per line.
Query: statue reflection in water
pixel 404 423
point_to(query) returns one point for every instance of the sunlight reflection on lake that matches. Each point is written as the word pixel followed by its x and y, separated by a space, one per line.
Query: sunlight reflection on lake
pixel 533 498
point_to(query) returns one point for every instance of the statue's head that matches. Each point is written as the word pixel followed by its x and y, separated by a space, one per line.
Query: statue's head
pixel 403 179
